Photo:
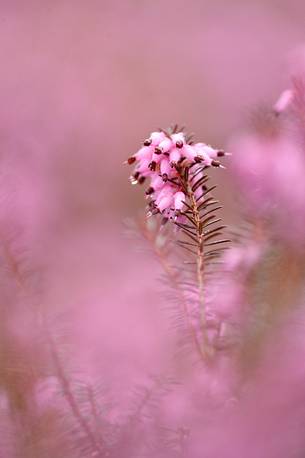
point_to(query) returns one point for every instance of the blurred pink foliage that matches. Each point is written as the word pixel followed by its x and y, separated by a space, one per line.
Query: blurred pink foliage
pixel 270 171
pixel 90 363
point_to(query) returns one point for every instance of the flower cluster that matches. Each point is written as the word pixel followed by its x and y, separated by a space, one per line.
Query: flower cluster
pixel 161 159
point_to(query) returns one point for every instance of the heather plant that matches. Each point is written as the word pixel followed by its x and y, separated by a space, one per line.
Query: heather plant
pixel 231 302
pixel 180 193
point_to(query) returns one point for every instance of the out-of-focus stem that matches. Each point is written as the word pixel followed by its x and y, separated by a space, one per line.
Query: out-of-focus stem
pixel 70 397
pixel 72 402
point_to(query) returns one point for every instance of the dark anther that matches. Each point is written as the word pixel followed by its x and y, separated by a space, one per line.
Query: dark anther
pixel 220 153
pixel 149 191
pixel 179 144
pixel 215 163
pixel 198 159
pixel 158 150
pixel 164 177
pixel 136 175
pixel 147 142
pixel 173 164
pixel 152 166
pixel 131 160
pixel 166 154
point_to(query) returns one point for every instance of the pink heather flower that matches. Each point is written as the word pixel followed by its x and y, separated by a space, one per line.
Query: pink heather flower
pixel 175 155
pixel 159 160
pixel 178 139
pixel 166 201
pixel 144 153
pixel 165 167
pixel 156 182
pixel 189 152
pixel 165 146
pixel 179 198
pixel 143 167
pixel 208 152
pixel 156 138
pixel 284 101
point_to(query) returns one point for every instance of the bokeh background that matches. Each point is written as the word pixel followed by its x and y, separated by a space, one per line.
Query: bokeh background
pixel 82 84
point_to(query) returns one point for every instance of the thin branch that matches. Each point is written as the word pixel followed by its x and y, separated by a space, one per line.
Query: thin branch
pixel 68 394
pixel 72 402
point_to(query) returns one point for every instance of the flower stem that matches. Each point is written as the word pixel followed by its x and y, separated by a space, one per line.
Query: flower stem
pixel 199 266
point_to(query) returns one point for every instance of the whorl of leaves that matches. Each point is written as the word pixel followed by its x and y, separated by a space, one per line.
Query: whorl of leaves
pixel 200 236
